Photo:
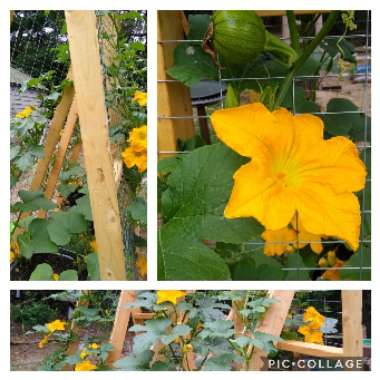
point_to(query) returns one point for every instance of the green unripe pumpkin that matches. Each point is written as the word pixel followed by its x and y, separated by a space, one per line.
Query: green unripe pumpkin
pixel 239 37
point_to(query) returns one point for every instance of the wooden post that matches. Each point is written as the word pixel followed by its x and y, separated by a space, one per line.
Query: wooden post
pixel 273 322
pixel 121 323
pixel 87 73
pixel 53 135
pixel 352 305
pixel 75 152
pixel 61 153
pixel 310 349
pixel 173 97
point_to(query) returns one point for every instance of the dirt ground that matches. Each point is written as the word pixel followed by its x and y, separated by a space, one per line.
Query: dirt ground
pixel 26 356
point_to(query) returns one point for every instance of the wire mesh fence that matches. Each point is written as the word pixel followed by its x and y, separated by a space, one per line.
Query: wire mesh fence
pixel 353 84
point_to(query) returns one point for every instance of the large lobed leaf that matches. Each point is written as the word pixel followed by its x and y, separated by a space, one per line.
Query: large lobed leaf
pixel 193 204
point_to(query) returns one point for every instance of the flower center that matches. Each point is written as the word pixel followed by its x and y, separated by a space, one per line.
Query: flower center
pixel 285 173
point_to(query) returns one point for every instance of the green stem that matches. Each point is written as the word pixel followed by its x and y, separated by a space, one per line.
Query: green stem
pixel 16 223
pixel 293 30
pixel 327 26
pixel 203 361
pixel 175 357
pixel 280 49
pixel 307 29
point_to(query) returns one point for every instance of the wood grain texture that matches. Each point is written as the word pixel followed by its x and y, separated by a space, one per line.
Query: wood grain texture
pixel 173 98
pixel 53 136
pixel 311 349
pixel 62 149
pixel 352 305
pixel 121 324
pixel 87 73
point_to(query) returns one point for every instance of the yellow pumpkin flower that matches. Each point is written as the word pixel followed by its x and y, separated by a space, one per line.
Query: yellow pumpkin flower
pixel 292 169
pixel 323 262
pixel 141 98
pixel 83 354
pixel 187 348
pixel 85 365
pixel 331 258
pixel 169 296
pixel 43 342
pixel 141 265
pixel 55 276
pixel 25 113
pixel 138 138
pixel 305 237
pixel 279 242
pixel 93 245
pixel 333 274
pixel 287 239
pixel 93 346
pixel 56 325
pixel 132 158
pixel 311 335
pixel 312 316
pixel 14 252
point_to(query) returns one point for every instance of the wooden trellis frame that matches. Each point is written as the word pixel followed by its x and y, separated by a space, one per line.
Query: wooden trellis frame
pixel 272 323
pixel 174 98
pixel 85 100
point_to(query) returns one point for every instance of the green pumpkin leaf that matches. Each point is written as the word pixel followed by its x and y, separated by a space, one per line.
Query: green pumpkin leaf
pixel 57 229
pixel 197 192
pixel 83 207
pixel 259 267
pixel 360 259
pixel 43 272
pixel 69 275
pixel 295 260
pixel 135 361
pixel 32 201
pixel 93 267
pixel 62 224
pixel 36 239
pixel 192 64
pixel 137 211
pixel 342 123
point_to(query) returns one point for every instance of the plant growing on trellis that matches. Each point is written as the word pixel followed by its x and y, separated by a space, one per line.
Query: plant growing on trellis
pixel 191 331
pixel 62 222
pixel 229 210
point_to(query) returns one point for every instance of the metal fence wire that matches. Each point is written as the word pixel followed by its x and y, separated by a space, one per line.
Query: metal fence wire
pixel 330 85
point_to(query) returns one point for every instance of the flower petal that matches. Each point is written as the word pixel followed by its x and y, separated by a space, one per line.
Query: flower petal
pixel 309 128
pixel 256 195
pixel 279 242
pixel 336 163
pixel 244 128
pixel 323 212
